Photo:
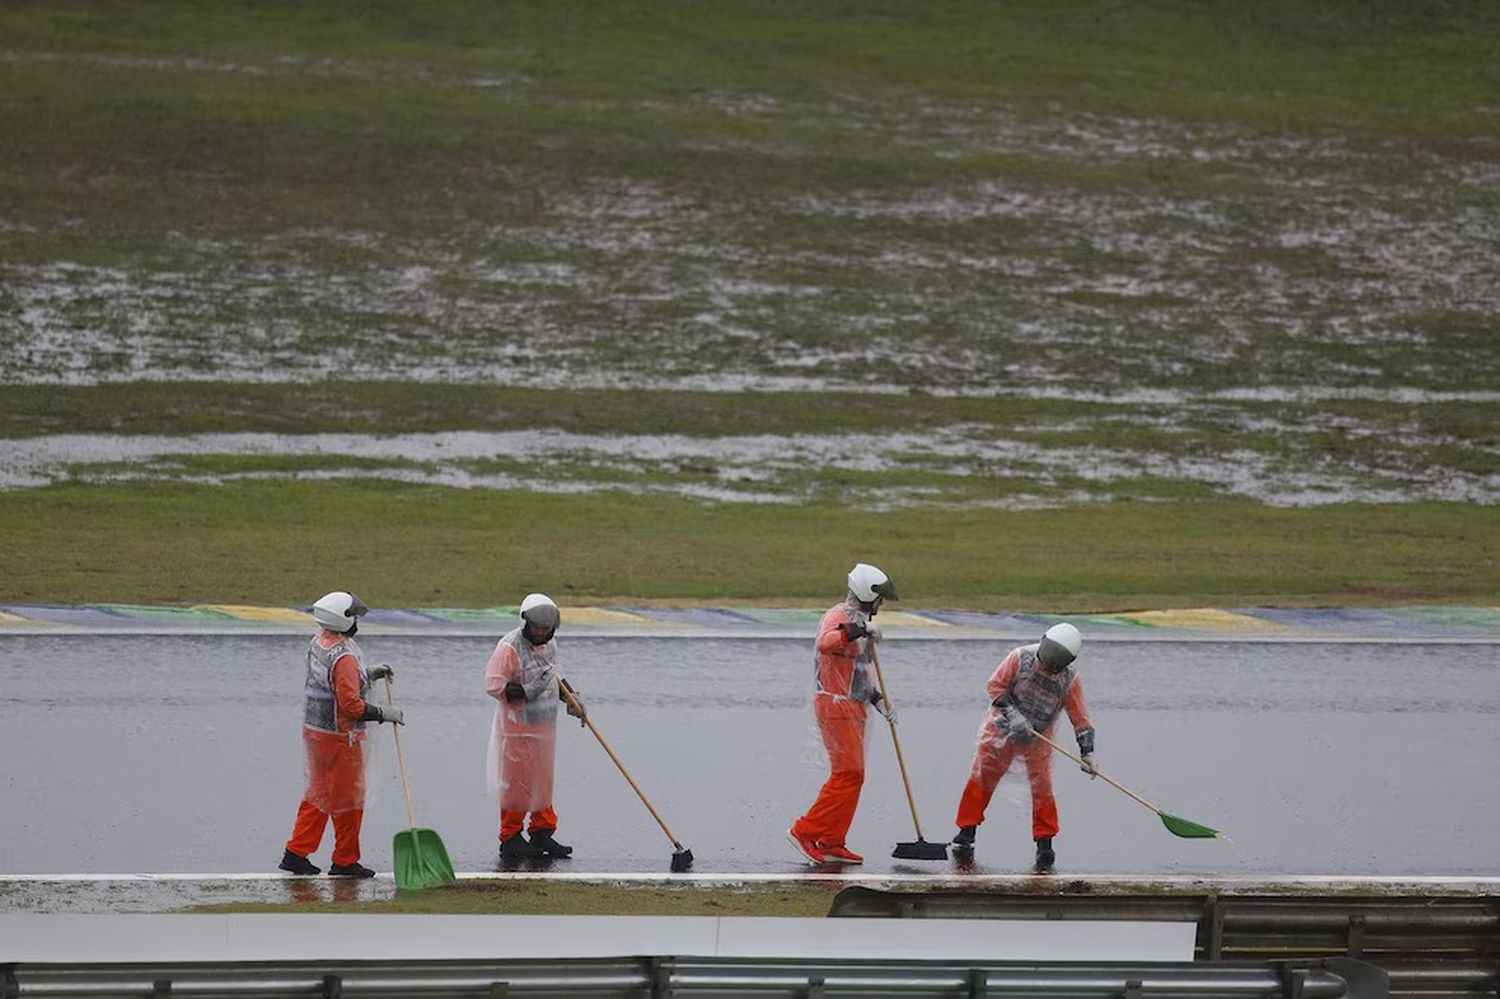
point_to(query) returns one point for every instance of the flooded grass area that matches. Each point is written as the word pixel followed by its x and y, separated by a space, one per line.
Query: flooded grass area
pixel 1162 265
pixel 869 452
pixel 930 202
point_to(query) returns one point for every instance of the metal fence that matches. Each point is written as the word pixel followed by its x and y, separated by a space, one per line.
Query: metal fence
pixel 681 978
pixel 1430 945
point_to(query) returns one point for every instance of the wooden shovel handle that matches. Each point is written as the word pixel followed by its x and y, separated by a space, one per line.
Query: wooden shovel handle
pixel 411 815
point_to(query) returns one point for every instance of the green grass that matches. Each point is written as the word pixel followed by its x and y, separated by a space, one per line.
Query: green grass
pixel 273 543
pixel 1220 59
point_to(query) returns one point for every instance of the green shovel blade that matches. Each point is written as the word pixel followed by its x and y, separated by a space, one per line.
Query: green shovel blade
pixel 421 860
pixel 1178 826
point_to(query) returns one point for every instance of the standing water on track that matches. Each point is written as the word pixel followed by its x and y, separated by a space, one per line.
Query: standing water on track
pixel 182 754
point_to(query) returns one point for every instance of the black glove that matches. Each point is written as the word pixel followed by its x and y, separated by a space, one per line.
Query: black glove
pixel 514 692
pixel 854 630
pixel 575 706
pixel 375 713
pixel 1017 728
pixel 381 672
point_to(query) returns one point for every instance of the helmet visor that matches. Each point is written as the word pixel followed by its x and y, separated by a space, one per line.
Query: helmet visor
pixel 542 618
pixel 357 607
pixel 1054 655
pixel 886 590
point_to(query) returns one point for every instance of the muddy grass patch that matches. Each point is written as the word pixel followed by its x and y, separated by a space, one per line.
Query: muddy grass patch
pixel 562 899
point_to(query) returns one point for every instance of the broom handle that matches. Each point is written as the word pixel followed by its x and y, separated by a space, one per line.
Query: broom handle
pixel 411 815
pixel 567 692
pixel 1101 773
pixel 896 740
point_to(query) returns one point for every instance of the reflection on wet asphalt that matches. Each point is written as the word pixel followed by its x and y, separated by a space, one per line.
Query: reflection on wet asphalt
pixel 182 754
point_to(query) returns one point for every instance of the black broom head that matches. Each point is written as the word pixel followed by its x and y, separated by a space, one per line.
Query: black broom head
pixel 920 850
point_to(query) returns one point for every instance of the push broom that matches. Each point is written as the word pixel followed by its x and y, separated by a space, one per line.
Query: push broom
pixel 1176 825
pixel 682 857
pixel 921 849
pixel 420 859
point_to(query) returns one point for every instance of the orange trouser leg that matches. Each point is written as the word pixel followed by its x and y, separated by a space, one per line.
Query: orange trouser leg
pixel 990 764
pixel 512 821
pixel 830 816
pixel 1043 805
pixel 346 836
pixel 307 830
pixel 543 820
pixel 336 781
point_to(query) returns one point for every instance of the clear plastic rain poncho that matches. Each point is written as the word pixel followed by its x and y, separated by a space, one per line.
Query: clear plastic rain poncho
pixel 1026 697
pixel 1025 688
pixel 834 746
pixel 338 751
pixel 843 677
pixel 523 738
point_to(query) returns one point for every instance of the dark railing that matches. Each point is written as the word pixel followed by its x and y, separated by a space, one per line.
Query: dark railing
pixel 1429 945
pixel 682 978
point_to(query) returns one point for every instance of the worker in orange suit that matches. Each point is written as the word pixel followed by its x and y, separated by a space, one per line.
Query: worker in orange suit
pixel 333 735
pixel 842 688
pixel 1029 689
pixel 523 679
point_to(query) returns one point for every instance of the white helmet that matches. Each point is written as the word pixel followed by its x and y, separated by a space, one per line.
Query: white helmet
pixel 1059 646
pixel 336 611
pixel 540 612
pixel 867 582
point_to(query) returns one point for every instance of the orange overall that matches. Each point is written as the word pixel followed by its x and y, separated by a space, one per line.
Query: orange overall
pixel 995 752
pixel 335 759
pixel 840 705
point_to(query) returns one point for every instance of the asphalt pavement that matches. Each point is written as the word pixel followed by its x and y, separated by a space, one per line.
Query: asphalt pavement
pixel 181 753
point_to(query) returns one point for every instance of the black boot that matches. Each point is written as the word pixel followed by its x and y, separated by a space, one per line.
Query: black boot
pixel 965 838
pixel 293 864
pixel 516 848
pixel 354 870
pixel 543 841
pixel 1045 858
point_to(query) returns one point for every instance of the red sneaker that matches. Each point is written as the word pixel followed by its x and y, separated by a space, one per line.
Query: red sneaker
pixel 806 846
pixel 840 854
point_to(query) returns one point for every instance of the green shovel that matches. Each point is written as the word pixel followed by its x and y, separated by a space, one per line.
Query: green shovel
pixel 420 858
pixel 1176 825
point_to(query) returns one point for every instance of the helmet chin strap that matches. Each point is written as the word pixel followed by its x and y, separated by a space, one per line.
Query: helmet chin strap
pixel 353 627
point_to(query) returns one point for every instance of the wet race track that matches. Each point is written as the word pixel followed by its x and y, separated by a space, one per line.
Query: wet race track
pixel 182 754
